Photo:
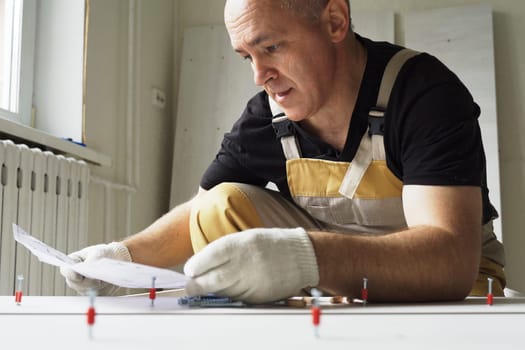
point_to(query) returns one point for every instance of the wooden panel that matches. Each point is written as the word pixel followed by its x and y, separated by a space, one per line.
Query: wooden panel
pixel 215 85
pixel 378 26
pixel 462 37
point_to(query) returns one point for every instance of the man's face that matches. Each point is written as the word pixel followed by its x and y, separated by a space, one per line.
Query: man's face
pixel 292 58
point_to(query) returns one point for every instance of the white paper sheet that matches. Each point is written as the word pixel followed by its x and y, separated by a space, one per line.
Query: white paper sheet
pixel 130 275
pixel 120 273
pixel 41 250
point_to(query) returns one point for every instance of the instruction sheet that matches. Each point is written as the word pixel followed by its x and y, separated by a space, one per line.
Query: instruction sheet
pixel 120 273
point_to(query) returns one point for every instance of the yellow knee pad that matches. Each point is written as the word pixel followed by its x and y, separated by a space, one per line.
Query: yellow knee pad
pixel 220 211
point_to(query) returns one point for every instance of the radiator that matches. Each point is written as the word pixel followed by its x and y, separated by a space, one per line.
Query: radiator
pixel 46 195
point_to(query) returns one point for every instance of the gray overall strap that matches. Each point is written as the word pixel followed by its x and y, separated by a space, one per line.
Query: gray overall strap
pixel 372 146
pixel 288 141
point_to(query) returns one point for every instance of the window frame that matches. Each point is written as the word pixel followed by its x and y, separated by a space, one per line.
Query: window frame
pixel 24 76
pixel 21 126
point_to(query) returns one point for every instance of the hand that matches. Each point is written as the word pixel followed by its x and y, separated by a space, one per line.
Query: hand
pixel 255 266
pixel 81 284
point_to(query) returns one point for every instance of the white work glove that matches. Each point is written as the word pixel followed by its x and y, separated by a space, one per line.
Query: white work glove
pixel 81 284
pixel 256 266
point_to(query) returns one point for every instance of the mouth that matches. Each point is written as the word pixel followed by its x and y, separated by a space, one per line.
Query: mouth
pixel 281 96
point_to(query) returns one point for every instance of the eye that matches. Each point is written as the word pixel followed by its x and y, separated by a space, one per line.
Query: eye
pixel 272 48
pixel 247 58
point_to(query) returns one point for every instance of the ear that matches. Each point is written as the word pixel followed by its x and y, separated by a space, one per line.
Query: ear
pixel 336 15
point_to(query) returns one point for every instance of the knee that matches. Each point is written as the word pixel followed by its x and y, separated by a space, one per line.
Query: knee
pixel 224 209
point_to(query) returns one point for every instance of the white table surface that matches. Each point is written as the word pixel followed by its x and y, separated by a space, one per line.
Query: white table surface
pixel 131 323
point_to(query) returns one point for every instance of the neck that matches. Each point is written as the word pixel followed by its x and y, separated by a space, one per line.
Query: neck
pixel 332 122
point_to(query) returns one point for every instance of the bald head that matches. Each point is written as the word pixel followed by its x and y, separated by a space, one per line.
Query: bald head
pixel 307 9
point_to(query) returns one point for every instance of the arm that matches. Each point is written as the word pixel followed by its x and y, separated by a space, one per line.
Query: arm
pixel 166 242
pixel 436 258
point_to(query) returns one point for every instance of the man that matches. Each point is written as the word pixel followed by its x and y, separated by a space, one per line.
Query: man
pixel 378 159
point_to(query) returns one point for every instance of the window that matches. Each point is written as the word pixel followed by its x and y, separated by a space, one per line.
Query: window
pixel 9 55
pixel 16 58
pixel 41 64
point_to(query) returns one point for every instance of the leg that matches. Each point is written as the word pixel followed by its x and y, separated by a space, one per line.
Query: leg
pixel 233 207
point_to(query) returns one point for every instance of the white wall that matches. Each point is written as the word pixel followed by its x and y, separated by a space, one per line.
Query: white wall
pixel 510 84
pixel 130 51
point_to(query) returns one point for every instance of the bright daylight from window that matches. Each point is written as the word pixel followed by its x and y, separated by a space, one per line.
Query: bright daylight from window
pixel 41 64
pixel 10 30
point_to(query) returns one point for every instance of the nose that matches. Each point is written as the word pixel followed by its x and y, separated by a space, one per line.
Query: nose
pixel 262 72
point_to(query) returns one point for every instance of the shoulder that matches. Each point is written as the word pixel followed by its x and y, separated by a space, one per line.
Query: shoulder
pixel 249 150
pixel 253 134
pixel 257 114
pixel 258 107
pixel 424 73
pixel 431 126
pixel 428 92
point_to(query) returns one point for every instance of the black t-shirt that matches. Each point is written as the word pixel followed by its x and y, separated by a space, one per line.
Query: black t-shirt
pixel 431 131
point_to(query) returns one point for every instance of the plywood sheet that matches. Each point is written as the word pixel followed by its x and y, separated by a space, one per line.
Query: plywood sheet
pixel 375 25
pixel 462 38
pixel 215 85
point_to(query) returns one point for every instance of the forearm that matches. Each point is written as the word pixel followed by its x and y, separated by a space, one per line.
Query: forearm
pixel 420 264
pixel 164 243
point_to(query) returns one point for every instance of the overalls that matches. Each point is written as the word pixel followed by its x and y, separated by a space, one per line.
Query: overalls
pixel 362 197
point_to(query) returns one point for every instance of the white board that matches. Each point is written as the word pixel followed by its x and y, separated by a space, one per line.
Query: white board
pixel 215 85
pixel 462 38
pixel 128 324
pixel 378 26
